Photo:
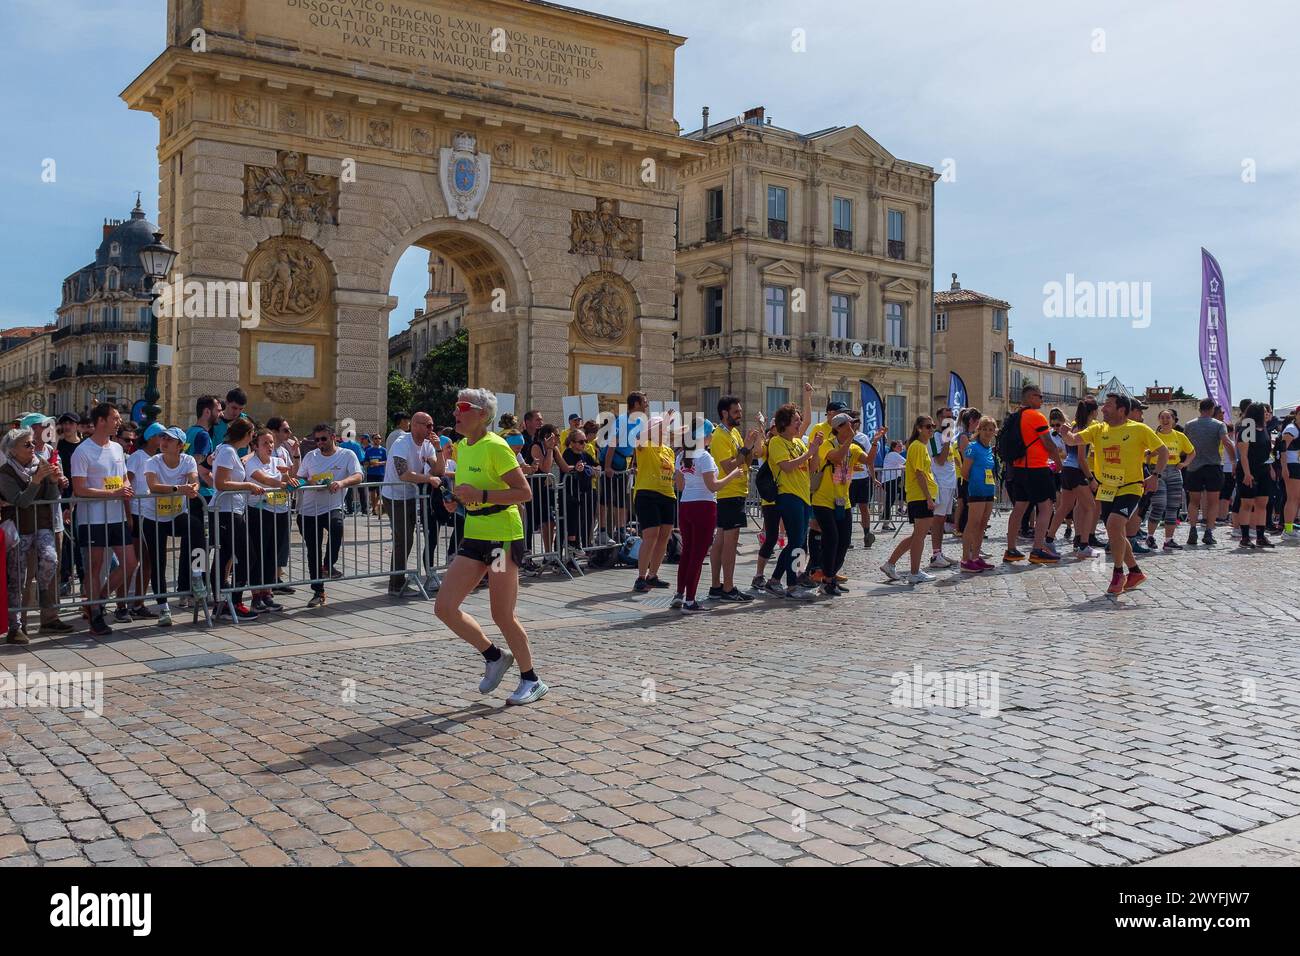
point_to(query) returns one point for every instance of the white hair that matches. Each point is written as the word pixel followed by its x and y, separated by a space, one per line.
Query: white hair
pixel 12 438
pixel 482 398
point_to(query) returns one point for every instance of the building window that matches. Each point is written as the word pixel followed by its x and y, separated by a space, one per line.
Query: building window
pixel 897 246
pixel 113 280
pixel 778 223
pixel 713 310
pixel 895 328
pixel 774 310
pixel 941 321
pixel 709 401
pixel 842 217
pixel 997 391
pixel 713 214
pixel 146 314
pixel 999 319
pixel 845 397
pixel 841 317
pixel 108 356
pixel 896 418
pixel 776 397
pixel 1017 379
pixel 1047 385
pixel 115 250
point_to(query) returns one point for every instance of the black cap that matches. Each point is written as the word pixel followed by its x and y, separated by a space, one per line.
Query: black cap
pixel 398 416
pixel 836 407
pixel 575 415
pixel 69 418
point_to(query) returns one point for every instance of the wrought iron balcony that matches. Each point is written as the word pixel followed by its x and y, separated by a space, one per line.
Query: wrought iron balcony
pixel 778 229
pixel 844 239
pixel 897 249
pixel 713 230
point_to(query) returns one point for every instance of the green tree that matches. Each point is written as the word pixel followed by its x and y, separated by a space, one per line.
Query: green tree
pixel 439 376
pixel 400 393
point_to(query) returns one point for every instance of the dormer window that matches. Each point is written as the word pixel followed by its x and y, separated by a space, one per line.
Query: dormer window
pixel 115 250
pixel 113 279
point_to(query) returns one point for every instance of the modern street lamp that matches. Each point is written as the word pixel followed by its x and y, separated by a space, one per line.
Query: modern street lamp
pixel 157 260
pixel 1272 366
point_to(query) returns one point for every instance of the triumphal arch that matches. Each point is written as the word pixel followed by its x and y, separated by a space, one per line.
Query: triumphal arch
pixel 305 145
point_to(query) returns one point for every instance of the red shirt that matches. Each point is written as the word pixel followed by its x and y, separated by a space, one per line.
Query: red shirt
pixel 1033 429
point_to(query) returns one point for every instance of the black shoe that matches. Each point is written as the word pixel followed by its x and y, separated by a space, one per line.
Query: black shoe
pixel 735 594
pixel 1191 538
pixel 282 590
pixel 805 581
pixel 717 594
pixel 269 605
pixel 1246 544
pixel 642 586
pixel 1209 537
pixel 656 583
pixel 1263 542
pixel 141 614
pixel 257 604
pixel 692 607
pixel 99 627
pixel 317 600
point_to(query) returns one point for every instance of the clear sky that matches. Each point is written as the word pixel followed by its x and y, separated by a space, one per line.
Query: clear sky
pixel 1113 166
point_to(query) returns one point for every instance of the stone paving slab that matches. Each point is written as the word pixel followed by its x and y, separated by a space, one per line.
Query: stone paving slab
pixel 758 734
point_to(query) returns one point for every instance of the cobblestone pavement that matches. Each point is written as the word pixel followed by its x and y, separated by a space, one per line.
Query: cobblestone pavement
pixel 754 735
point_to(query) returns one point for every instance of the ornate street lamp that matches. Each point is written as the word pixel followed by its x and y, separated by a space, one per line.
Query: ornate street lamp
pixel 1272 367
pixel 157 260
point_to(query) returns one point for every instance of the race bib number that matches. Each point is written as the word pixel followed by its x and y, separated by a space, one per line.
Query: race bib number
pixel 113 483
pixel 1106 494
pixel 324 478
pixel 988 477
pixel 168 507
pixel 277 498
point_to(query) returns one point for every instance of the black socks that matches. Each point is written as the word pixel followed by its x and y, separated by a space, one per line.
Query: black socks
pixel 492 654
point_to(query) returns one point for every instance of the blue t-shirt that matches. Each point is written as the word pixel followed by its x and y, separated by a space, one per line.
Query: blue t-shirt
pixel 983 472
pixel 198 444
pixel 375 458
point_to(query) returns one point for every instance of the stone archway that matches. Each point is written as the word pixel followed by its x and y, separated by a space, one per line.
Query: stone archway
pixel 297 145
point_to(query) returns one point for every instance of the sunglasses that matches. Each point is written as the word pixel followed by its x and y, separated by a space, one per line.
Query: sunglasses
pixel 468 407
pixel 928 428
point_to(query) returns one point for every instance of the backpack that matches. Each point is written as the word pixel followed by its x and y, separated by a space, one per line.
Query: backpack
pixel 673 553
pixel 1010 443
pixel 765 481
pixel 629 552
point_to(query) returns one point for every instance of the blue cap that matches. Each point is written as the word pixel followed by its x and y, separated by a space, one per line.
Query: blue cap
pixel 515 441
pixel 174 432
pixel 155 429
pixel 706 429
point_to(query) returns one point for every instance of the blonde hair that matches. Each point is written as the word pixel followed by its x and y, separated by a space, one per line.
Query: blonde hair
pixel 986 422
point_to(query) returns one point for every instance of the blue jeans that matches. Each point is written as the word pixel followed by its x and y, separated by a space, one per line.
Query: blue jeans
pixel 795 513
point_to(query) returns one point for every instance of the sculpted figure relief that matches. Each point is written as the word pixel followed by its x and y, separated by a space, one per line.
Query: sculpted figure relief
pixel 287 191
pixel 601 310
pixel 292 278
pixel 605 233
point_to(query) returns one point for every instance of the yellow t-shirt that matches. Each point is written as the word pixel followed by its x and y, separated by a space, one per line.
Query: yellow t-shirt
pixel 825 429
pixel 918 463
pixel 655 465
pixel 835 479
pixel 795 481
pixel 726 444
pixel 1120 451
pixel 1179 445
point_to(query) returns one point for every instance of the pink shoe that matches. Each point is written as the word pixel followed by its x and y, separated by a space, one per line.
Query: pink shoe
pixel 972 567
pixel 985 566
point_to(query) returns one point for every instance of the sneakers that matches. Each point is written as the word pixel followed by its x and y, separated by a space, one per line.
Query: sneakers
pixel 1246 544
pixel 282 589
pixel 1172 545
pixel 1134 580
pixel 99 627
pixel 716 594
pixel 693 607
pixel 920 577
pixel 1150 542
pixel 797 593
pixel 432 582
pixel 527 692
pixel 164 616
pixel 243 613
pixel 1043 556
pixel 122 616
pixel 1116 583
pixel 141 613
pixel 759 582
pixel 677 602
pixel 494 671
pixel 984 565
pixel 1084 552
pixel 270 604
pixel 734 596
pixel 656 583
pixel 972 567
pixel 773 587
pixel 642 586
pixel 890 571
pixel 1263 542
pixel 1138 545
pixel 17 635
pixel 1012 555
pixel 317 600
pixel 1191 537
pixel 55 627
pixel 1209 537
pixel 941 560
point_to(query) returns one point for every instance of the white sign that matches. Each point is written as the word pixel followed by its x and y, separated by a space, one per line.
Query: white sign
pixel 572 405
pixel 139 352
pixel 278 360
pixel 590 408
pixel 601 379
pixel 505 404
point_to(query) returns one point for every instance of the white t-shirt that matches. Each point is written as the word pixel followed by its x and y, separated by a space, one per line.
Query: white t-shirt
pixel 319 470
pixel 230 502
pixel 395 434
pixel 892 467
pixel 945 475
pixel 276 500
pixel 172 506
pixel 103 466
pixel 863 441
pixel 417 463
pixel 1293 449
pixel 694 468
pixel 135 463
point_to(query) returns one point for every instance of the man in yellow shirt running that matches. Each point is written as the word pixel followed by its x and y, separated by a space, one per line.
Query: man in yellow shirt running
pixel 1121 446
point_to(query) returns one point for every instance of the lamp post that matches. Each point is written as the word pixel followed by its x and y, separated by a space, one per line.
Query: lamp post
pixel 1272 367
pixel 157 260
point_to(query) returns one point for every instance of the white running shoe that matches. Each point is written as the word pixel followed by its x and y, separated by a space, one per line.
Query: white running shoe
pixel 1085 552
pixel 493 671
pixel 527 692
pixel 890 571
pixel 941 560
pixel 796 593
pixel 920 577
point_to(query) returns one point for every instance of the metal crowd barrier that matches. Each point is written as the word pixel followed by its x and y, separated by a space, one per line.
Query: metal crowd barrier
pixel 101 551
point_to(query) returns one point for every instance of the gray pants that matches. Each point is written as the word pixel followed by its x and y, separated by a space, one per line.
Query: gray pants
pixel 402 515
pixel 1167 500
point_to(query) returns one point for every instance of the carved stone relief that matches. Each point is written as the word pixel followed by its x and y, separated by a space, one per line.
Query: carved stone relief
pixel 289 193
pixel 605 233
pixel 292 279
pixel 602 309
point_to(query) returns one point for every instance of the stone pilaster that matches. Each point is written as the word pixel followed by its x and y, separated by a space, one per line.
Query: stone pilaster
pixel 547 361
pixel 361 358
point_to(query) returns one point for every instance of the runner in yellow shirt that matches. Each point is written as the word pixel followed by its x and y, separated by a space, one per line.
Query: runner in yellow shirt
pixel 730 451
pixel 830 499
pixel 922 492
pixel 1120 447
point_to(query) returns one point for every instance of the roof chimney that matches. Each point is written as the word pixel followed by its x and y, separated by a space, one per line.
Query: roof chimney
pixel 705 129
pixel 1051 354
pixel 956 286
pixel 755 115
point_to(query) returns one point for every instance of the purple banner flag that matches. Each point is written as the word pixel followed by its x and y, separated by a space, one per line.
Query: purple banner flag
pixel 1214 333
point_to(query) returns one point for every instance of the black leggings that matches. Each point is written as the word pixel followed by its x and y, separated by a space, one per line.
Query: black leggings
pixel 266 530
pixel 156 535
pixel 311 528
pixel 834 539
pixel 233 537
pixel 771 530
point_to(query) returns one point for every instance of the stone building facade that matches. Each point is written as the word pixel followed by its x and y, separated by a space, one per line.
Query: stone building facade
pixel 26 359
pixel 1062 385
pixel 531 145
pixel 972 338
pixel 803 257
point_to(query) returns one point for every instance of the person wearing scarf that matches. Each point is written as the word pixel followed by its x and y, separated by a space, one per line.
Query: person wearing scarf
pixel 25 479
